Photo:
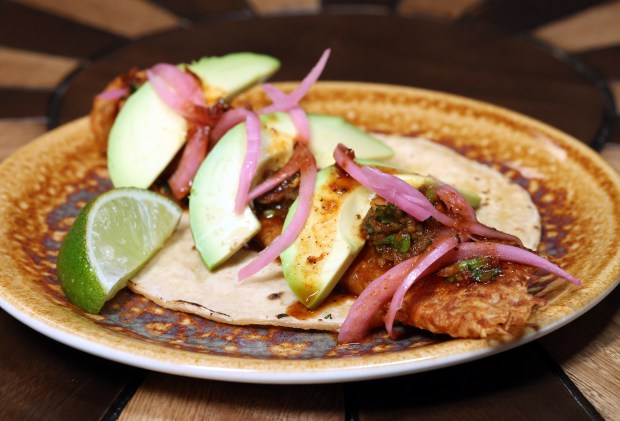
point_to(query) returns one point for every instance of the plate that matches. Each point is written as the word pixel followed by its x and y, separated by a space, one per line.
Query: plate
pixel 46 183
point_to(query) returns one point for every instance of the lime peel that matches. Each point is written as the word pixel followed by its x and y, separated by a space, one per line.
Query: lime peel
pixel 112 238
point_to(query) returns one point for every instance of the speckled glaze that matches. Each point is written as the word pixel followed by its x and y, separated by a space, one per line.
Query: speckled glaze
pixel 45 184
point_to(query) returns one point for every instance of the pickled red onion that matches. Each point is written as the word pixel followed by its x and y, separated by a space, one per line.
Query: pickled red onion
pixel 292 230
pixel 287 171
pixel 458 205
pixel 511 254
pixel 438 249
pixel 300 120
pixel 359 319
pixel 455 202
pixel 298 115
pixel 413 202
pixel 290 101
pixel 228 120
pixel 344 158
pixel 113 94
pixel 178 89
pixel 194 153
pixel 274 94
pixel 391 188
pixel 250 162
pixel 403 195
pixel 282 102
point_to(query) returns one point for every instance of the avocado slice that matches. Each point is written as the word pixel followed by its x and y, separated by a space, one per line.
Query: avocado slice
pixel 219 232
pixel 326 132
pixel 147 134
pixel 330 239
pixel 217 229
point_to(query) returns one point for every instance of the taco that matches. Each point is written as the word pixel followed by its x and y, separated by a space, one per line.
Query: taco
pixel 177 278
pixel 386 231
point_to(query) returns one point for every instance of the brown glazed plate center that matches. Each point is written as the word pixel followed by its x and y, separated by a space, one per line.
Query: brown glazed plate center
pixel 45 184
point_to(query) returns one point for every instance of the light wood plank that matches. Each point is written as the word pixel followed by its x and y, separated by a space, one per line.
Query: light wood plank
pixel 129 18
pixel 165 397
pixel 445 9
pixel 595 27
pixel 270 7
pixel 588 350
pixel 19 68
pixel 611 153
pixel 15 133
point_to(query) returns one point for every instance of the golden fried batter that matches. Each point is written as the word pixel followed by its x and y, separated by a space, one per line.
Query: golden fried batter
pixel 473 310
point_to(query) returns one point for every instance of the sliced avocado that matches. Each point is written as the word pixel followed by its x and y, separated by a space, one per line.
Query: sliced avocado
pixel 217 231
pixel 234 73
pixel 330 239
pixel 147 134
pixel 327 131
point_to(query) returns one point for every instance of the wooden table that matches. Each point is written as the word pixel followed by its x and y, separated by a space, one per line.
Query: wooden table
pixel 556 62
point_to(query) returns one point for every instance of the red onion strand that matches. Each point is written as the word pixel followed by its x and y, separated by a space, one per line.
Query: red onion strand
pixel 193 155
pixel 438 249
pixel 178 89
pixel 113 94
pixel 250 162
pixel 292 230
pixel 291 100
pixel 511 254
pixel 227 121
pixel 359 319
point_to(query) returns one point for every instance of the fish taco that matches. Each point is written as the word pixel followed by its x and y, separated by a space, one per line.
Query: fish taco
pixel 304 219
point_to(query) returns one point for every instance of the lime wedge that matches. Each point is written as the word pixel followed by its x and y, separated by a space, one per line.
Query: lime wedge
pixel 114 235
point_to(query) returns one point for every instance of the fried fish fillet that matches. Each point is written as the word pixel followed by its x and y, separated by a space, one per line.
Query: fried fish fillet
pixel 497 309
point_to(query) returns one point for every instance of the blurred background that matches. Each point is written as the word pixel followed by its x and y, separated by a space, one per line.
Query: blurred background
pixel 555 60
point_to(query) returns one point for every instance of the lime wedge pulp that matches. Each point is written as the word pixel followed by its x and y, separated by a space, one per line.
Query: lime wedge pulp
pixel 114 235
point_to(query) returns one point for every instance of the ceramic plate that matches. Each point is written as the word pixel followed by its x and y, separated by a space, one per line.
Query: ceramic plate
pixel 46 183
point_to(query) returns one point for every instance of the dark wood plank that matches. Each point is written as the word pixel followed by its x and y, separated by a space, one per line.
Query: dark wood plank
pixel 200 10
pixel 606 61
pixel 361 6
pixel 615 131
pixel 510 386
pixel 64 383
pixel 514 16
pixel 30 29
pixel 451 58
pixel 18 103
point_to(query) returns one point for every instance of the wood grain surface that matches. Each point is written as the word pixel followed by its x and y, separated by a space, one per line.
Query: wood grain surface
pixel 163 397
pixel 27 69
pixel 130 18
pixel 593 28
pixel 44 41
